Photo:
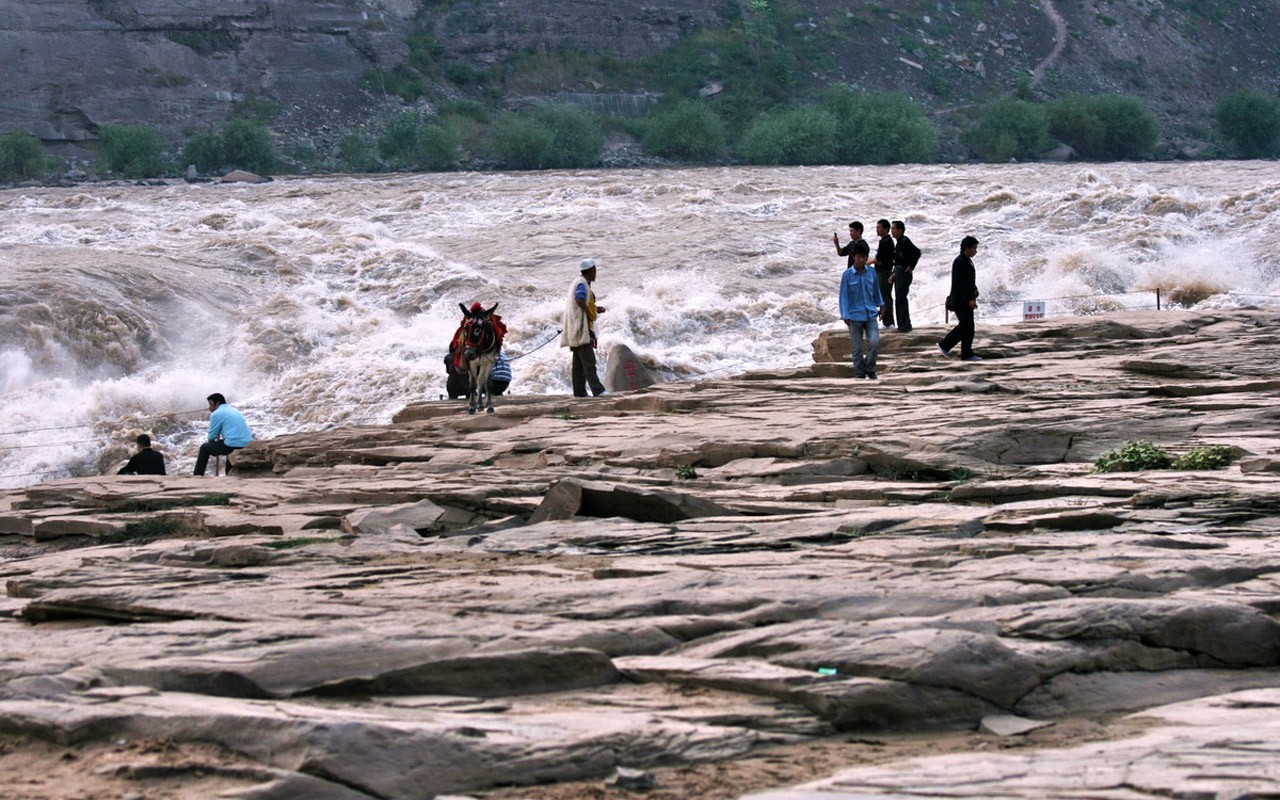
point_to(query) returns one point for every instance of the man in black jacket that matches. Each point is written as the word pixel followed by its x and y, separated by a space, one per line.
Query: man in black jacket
pixel 906 256
pixel 144 462
pixel 963 300
pixel 884 271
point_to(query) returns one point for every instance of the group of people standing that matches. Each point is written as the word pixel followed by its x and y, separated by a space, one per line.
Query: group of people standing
pixel 870 299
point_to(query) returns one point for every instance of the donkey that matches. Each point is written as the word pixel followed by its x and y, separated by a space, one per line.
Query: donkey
pixel 481 339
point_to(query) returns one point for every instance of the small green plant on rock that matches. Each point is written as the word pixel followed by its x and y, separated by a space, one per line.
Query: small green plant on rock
pixel 1214 456
pixel 1132 457
pixel 686 472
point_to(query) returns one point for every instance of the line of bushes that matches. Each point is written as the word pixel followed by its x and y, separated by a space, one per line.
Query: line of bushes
pixel 1101 127
pixel 839 126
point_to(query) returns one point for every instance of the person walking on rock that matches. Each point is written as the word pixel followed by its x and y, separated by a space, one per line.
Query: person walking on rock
pixel 884 271
pixel 905 257
pixel 963 300
pixel 859 307
pixel 228 432
pixel 578 330
pixel 144 462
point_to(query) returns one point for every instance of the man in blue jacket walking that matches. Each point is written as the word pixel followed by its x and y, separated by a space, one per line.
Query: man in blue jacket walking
pixel 228 432
pixel 859 308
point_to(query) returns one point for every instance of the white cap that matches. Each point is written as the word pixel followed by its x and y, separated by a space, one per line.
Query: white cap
pixel 587 264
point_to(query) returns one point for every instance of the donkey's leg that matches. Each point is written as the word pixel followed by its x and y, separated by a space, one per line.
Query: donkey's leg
pixel 473 389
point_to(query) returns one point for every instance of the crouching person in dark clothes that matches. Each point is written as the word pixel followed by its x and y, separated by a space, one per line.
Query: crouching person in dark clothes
pixel 144 462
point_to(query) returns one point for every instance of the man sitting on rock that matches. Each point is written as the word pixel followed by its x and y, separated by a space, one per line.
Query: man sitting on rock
pixel 144 462
pixel 228 432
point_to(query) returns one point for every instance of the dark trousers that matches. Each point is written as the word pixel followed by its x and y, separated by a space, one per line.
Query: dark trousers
pixel 962 333
pixel 584 371
pixel 886 294
pixel 218 448
pixel 901 287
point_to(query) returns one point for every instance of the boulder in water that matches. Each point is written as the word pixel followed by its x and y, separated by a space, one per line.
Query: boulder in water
pixel 244 176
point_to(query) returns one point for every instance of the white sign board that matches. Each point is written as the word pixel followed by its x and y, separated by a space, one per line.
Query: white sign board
pixel 1033 309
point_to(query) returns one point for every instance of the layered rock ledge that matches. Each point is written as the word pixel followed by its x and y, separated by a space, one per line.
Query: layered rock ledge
pixel 685 574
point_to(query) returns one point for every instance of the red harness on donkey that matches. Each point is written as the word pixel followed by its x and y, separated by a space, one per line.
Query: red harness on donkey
pixel 467 329
pixel 475 346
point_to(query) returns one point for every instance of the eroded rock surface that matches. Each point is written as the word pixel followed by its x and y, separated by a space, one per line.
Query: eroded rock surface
pixel 451 603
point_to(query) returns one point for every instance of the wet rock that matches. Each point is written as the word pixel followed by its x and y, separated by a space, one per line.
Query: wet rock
pixel 243 176
pixel 624 371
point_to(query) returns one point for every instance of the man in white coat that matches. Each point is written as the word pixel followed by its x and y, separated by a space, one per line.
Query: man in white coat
pixel 578 331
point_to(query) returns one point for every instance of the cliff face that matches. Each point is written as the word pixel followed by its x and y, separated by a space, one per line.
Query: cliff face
pixel 176 63
pixel 73 65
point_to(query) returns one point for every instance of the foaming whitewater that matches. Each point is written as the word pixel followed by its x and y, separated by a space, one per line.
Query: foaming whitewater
pixel 318 302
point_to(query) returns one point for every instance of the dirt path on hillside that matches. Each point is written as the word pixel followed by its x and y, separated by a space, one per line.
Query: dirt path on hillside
pixel 1059 42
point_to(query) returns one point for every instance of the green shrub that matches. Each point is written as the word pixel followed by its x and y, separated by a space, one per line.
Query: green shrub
pixel 1132 457
pixel 1132 130
pixel 547 137
pixel 204 149
pixel 1251 122
pixel 1214 456
pixel 517 141
pixel 437 147
pixel 409 143
pixel 687 130
pixel 686 472
pixel 247 145
pixel 1072 122
pixel 880 128
pixel 1009 129
pixel 356 152
pixel 1104 127
pixel 21 157
pixel 240 144
pixel 134 151
pixel 798 135
pixel 464 108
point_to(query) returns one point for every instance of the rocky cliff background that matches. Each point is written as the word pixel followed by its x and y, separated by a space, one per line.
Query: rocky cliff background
pixel 71 66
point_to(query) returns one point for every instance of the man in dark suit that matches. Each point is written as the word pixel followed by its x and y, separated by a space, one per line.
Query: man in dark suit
pixel 963 300
pixel 906 256
pixel 884 271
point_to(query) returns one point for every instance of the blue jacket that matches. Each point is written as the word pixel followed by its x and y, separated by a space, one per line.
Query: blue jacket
pixel 859 295
pixel 229 424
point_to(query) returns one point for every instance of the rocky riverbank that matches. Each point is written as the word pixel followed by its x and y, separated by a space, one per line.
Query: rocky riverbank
pixel 784 563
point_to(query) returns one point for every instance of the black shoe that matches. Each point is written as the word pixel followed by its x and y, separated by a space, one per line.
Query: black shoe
pixel 872 376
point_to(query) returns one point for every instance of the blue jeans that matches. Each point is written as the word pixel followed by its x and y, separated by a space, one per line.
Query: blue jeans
pixel 864 364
